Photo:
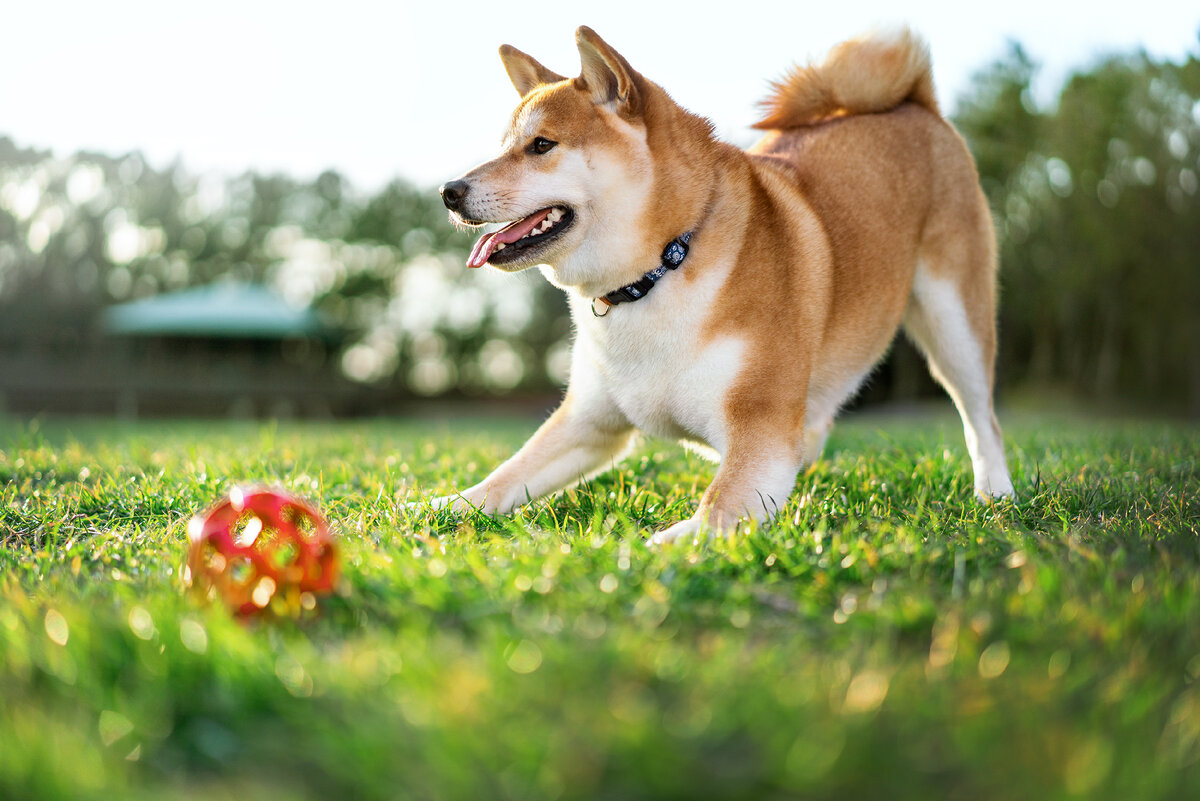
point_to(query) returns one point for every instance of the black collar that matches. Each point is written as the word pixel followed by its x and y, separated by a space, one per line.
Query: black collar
pixel 672 256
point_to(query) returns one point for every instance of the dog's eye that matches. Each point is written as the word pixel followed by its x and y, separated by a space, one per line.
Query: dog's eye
pixel 541 145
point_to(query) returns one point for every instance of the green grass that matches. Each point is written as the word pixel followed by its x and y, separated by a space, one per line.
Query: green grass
pixel 887 637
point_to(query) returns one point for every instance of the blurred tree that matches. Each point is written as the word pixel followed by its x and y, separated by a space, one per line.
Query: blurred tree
pixel 1099 221
pixel 1096 199
pixel 79 233
pixel 1000 118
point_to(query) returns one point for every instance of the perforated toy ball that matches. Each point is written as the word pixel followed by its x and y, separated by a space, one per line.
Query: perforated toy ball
pixel 262 549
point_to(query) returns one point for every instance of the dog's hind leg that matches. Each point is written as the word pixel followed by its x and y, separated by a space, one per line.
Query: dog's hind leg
pixel 959 342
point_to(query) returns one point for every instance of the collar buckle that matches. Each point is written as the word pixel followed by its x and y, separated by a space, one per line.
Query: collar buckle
pixel 672 256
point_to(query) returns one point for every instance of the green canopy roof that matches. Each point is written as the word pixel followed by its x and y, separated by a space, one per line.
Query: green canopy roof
pixel 230 309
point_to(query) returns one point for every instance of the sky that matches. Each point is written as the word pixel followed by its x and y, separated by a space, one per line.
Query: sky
pixel 417 91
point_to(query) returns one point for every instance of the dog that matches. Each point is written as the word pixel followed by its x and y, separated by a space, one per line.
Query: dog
pixel 735 299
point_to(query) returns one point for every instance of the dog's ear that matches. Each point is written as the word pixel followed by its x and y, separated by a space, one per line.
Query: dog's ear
pixel 525 71
pixel 606 74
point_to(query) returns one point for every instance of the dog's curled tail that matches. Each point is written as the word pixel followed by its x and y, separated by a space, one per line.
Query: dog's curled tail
pixel 874 73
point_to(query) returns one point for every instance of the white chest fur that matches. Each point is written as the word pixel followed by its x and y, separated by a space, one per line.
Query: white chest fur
pixel 655 364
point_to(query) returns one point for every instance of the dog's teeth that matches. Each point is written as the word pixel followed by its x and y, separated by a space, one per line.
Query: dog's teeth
pixel 554 216
pixel 501 246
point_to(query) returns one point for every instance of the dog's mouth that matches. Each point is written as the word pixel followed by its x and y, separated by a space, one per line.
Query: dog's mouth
pixel 523 238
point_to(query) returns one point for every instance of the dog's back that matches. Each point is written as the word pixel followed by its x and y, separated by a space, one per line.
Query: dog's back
pixel 893 183
pixel 894 190
pixel 909 232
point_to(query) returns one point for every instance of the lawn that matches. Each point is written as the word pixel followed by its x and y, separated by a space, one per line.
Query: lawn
pixel 887 637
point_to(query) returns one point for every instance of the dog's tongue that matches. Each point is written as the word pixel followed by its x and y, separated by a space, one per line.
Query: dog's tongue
pixel 510 233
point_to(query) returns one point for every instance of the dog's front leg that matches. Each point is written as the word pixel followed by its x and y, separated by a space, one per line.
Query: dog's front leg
pixel 580 439
pixel 755 479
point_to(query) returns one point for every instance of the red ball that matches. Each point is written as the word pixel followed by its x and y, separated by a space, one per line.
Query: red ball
pixel 262 549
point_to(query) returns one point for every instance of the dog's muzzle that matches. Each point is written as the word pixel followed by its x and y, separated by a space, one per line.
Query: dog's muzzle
pixel 453 194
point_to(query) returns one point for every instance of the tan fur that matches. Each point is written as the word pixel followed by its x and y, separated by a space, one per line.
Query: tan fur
pixel 861 211
pixel 860 76
pixel 524 71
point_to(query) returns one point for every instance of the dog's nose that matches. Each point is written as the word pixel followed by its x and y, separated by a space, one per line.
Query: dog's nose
pixel 453 194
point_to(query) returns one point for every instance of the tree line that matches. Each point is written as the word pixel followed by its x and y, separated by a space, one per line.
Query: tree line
pixel 1097 206
pixel 1095 197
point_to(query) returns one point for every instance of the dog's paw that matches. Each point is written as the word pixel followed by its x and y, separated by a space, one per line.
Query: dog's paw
pixel 455 503
pixel 994 491
pixel 685 531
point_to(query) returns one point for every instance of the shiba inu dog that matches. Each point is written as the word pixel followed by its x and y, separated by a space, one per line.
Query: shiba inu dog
pixel 736 299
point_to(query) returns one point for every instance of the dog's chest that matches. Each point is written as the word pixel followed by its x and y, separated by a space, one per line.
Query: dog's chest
pixel 667 379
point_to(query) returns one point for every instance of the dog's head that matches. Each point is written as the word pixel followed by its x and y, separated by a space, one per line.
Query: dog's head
pixel 575 183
